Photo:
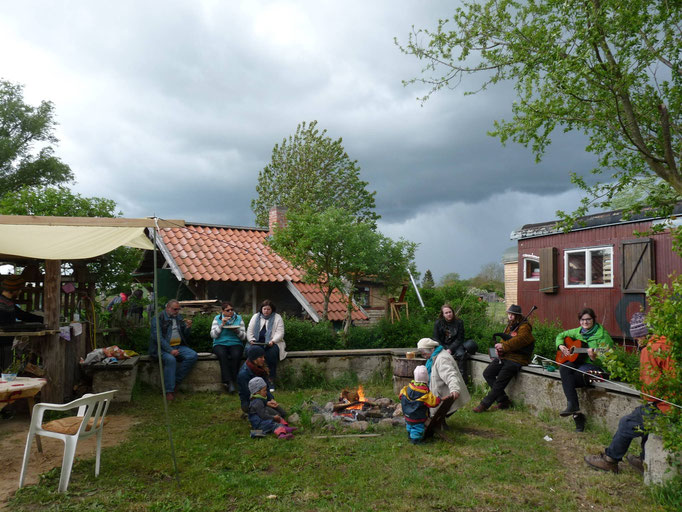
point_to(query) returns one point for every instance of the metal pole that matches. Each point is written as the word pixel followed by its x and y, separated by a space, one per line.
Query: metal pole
pixel 416 289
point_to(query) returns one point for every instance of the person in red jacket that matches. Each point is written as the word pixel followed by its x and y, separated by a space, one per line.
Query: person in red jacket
pixel 654 362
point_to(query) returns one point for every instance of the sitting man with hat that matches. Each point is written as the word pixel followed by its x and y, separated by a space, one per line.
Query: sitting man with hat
pixel 513 351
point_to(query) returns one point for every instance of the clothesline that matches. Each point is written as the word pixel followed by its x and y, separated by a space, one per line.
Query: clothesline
pixel 617 384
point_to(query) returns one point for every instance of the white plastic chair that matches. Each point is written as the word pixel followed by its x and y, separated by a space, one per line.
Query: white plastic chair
pixel 89 421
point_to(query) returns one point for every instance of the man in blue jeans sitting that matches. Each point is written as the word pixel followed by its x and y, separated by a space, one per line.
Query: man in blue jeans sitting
pixel 178 359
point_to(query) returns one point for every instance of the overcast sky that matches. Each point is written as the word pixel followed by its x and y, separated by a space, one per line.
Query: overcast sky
pixel 172 108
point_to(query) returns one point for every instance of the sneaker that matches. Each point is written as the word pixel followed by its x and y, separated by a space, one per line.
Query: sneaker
pixel 416 441
pixel 170 396
pixel 257 434
pixel 285 436
pixel 636 462
pixel 602 462
pixel 289 429
pixel 480 408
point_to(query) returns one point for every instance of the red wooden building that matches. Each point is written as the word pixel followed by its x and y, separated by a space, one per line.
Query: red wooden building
pixel 601 264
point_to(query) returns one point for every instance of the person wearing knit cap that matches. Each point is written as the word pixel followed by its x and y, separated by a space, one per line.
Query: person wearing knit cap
pixel 254 366
pixel 415 399
pixel 267 415
pixel 445 380
pixel 655 362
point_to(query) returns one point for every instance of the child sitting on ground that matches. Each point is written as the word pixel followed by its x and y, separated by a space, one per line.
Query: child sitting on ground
pixel 415 399
pixel 267 415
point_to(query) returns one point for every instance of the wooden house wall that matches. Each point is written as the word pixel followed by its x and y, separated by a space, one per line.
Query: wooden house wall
pixel 612 307
pixel 511 278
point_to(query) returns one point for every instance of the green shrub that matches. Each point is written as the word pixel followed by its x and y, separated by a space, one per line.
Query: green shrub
pixel 545 334
pixel 307 335
pixel 622 365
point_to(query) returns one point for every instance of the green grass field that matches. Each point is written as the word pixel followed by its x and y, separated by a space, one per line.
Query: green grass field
pixel 496 461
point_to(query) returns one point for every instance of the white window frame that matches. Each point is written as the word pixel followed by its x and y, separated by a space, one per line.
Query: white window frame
pixel 536 259
pixel 588 267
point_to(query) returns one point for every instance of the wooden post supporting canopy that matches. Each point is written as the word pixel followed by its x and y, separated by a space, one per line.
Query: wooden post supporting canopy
pixel 52 349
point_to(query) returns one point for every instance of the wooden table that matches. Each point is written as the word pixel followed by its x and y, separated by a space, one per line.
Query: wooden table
pixel 22 388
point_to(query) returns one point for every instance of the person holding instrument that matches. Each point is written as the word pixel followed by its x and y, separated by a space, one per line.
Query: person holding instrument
pixel 593 337
pixel 513 351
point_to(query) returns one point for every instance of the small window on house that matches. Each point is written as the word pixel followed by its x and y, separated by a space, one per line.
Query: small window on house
pixel 361 296
pixel 531 268
pixel 589 268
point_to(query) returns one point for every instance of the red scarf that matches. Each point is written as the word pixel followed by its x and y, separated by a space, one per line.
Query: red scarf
pixel 257 370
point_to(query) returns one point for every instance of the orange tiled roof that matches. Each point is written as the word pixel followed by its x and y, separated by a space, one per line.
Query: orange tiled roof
pixel 215 253
pixel 226 253
pixel 337 302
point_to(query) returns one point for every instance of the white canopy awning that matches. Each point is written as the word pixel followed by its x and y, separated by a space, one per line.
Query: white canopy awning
pixel 72 238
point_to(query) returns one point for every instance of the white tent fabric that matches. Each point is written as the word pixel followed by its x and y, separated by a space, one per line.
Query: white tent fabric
pixel 68 242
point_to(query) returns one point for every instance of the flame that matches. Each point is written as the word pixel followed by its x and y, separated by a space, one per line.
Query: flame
pixel 361 399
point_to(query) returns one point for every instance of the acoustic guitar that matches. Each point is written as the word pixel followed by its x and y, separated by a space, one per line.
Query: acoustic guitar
pixel 576 348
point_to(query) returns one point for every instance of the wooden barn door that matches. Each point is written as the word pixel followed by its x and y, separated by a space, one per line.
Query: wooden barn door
pixel 638 265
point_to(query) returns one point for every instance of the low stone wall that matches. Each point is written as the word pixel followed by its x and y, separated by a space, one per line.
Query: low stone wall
pixel 538 389
pixel 205 376
pixel 605 403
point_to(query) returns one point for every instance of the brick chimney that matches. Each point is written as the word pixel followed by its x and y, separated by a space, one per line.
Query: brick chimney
pixel 277 217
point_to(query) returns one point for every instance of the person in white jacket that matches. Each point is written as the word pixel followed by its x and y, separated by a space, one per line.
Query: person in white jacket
pixel 444 377
pixel 266 329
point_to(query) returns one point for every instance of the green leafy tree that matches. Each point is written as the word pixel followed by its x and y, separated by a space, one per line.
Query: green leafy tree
pixel 490 278
pixel 113 272
pixel 449 279
pixel 309 168
pixel 610 69
pixel 335 250
pixel 428 282
pixel 22 127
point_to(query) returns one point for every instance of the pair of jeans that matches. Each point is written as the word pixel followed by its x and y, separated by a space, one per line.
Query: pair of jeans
pixel 498 374
pixel 272 358
pixel 630 427
pixel 176 368
pixel 230 359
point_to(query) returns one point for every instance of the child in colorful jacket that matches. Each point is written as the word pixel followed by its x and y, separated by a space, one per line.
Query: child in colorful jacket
pixel 415 399
pixel 267 415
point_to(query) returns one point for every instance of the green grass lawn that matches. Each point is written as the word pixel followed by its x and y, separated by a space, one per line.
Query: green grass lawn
pixel 496 461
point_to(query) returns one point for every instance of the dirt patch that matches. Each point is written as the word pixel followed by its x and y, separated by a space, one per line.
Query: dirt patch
pixel 13 442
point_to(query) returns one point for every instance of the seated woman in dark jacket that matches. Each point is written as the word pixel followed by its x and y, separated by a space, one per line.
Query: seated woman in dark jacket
pixel 253 367
pixel 448 331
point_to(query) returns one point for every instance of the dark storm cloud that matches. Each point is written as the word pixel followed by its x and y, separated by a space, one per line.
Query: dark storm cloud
pixel 173 107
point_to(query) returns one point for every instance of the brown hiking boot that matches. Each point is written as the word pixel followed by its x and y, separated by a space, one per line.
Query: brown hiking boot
pixel 480 408
pixel 602 462
pixel 501 406
pixel 636 462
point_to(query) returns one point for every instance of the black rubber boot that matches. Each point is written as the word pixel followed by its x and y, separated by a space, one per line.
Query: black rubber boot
pixel 579 422
pixel 571 409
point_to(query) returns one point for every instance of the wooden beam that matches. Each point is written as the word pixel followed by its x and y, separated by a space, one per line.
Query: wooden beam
pixel 102 222
pixel 52 350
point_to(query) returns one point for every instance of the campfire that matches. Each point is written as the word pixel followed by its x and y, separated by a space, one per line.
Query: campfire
pixel 352 401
